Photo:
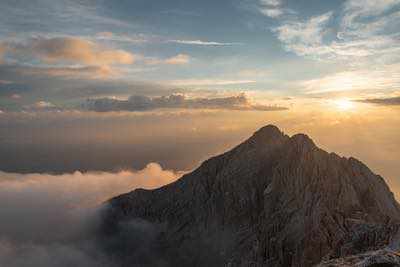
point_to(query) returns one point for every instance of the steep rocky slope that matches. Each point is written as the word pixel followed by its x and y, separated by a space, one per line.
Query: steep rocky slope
pixel 273 200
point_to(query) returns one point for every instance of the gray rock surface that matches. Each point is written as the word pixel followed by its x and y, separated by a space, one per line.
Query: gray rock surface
pixel 378 258
pixel 273 200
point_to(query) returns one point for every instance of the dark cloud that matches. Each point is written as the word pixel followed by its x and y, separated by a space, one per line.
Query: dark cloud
pixel 53 84
pixel 382 101
pixel 142 103
pixel 69 87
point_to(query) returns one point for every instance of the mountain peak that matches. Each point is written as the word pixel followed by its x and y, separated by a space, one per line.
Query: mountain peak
pixel 267 133
pixel 269 129
pixel 272 200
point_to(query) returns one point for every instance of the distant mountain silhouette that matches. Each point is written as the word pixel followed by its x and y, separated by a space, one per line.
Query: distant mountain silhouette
pixel 273 200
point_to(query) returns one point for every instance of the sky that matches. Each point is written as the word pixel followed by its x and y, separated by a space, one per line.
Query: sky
pixel 100 97
pixel 58 53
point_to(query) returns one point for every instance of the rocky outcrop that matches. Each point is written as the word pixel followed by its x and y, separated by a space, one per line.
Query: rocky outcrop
pixel 273 200
pixel 378 258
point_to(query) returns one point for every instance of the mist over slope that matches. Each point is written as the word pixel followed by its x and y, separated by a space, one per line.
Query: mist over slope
pixel 53 220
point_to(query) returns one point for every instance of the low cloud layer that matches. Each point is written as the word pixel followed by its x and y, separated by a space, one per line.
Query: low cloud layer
pixel 49 220
pixel 390 101
pixel 143 103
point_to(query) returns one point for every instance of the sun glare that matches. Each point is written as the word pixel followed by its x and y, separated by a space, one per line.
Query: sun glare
pixel 344 104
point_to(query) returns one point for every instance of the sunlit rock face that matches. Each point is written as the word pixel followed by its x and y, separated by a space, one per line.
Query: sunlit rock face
pixel 273 200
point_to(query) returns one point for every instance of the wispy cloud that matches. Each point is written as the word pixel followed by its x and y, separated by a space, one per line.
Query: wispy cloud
pixel 254 73
pixel 273 8
pixel 201 43
pixel 128 38
pixel 180 59
pixel 356 11
pixel 304 37
pixel 360 33
pixel 60 15
pixel 142 38
pixel 366 32
pixel 181 12
pixel 203 82
pixel 384 78
pixel 271 2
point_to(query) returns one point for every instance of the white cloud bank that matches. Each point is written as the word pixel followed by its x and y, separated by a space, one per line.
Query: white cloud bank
pixel 49 220
pixel 83 189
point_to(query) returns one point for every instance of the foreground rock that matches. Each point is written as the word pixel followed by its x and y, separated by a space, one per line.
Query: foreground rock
pixel 274 200
pixel 378 258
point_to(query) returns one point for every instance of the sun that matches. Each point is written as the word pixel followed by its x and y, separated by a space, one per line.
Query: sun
pixel 344 104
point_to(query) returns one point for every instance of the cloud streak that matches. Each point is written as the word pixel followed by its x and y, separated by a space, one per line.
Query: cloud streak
pixel 201 43
pixel 144 103
pixel 204 82
pixel 85 72
pixel 389 101
pixel 180 59
pixel 384 78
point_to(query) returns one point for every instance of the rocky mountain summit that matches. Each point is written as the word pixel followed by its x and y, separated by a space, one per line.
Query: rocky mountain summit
pixel 273 200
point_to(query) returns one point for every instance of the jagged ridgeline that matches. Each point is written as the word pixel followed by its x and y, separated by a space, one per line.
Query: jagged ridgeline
pixel 273 200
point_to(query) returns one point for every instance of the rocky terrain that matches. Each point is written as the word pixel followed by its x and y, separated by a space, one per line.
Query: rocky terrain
pixel 273 200
pixel 378 258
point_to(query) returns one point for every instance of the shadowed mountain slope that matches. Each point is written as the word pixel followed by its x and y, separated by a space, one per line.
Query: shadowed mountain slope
pixel 273 200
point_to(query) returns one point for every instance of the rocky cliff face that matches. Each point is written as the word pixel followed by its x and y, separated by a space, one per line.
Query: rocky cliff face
pixel 273 200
